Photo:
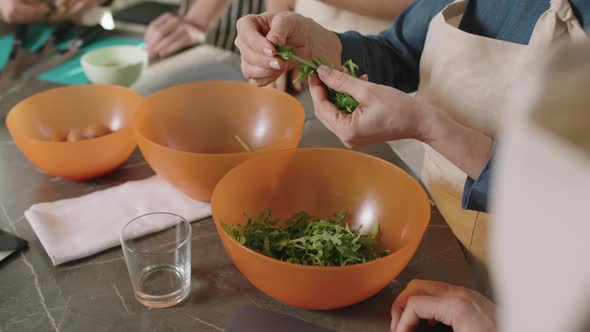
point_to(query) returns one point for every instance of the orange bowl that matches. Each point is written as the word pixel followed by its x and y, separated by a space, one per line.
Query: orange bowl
pixel 322 181
pixel 187 133
pixel 34 121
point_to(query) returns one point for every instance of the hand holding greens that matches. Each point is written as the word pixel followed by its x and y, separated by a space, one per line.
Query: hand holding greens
pixel 344 102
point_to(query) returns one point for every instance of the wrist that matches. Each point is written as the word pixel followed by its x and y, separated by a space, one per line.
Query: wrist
pixel 197 22
pixel 431 124
pixel 327 45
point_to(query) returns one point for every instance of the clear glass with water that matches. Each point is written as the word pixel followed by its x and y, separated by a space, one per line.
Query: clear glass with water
pixel 157 249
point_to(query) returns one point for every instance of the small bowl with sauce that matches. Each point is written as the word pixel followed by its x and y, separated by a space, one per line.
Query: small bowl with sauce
pixel 116 65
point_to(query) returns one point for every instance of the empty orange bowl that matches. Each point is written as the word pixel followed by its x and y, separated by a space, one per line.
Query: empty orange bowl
pixel 322 181
pixel 191 134
pixel 36 122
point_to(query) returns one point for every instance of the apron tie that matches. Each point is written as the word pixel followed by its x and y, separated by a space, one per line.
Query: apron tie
pixel 554 22
pixel 562 9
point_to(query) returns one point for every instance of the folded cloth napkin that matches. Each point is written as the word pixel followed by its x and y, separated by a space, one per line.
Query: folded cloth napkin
pixel 79 227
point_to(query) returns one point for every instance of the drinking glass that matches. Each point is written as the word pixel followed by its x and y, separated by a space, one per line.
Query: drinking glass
pixel 157 249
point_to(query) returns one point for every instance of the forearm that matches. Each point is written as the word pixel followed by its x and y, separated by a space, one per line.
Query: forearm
pixel 465 147
pixel 379 9
pixel 203 12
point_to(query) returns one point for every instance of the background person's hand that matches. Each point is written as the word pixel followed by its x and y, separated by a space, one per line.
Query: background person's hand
pixel 257 35
pixel 383 113
pixel 169 34
pixel 74 9
pixel 22 11
pixel 463 309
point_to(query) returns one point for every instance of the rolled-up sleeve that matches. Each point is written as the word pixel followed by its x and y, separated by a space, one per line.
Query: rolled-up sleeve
pixel 475 192
pixel 393 57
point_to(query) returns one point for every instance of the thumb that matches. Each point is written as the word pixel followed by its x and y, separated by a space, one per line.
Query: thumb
pixel 441 309
pixel 342 82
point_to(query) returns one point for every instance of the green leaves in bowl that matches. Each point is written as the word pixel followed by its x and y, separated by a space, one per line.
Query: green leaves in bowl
pixel 308 240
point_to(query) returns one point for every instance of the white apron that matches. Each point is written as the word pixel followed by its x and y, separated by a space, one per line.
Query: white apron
pixel 339 20
pixel 471 78
pixel 540 243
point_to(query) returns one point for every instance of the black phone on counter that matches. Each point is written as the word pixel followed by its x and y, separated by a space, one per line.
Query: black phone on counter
pixel 10 244
pixel 143 13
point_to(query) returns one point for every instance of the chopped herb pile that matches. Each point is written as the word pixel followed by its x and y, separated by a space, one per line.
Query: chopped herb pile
pixel 344 102
pixel 308 240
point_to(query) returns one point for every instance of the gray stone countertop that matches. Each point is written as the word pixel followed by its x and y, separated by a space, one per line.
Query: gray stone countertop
pixel 94 294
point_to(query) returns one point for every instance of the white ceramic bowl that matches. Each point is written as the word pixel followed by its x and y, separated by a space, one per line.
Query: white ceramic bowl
pixel 118 65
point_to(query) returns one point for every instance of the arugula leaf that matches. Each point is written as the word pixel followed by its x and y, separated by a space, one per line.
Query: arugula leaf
pixel 352 67
pixel 344 102
pixel 308 240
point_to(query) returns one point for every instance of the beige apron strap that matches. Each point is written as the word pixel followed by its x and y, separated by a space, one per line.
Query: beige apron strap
pixel 554 22
pixel 453 12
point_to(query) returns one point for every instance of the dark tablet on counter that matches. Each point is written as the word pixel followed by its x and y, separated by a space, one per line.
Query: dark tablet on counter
pixel 143 13
pixel 253 319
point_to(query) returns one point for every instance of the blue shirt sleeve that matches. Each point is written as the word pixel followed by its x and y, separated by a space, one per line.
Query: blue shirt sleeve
pixel 475 192
pixel 393 57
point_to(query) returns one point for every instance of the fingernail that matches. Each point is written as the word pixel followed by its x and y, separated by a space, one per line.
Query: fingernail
pixel 323 71
pixel 267 52
pixel 274 64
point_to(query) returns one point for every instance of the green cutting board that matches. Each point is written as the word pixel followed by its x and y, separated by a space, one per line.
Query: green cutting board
pixel 36 35
pixel 70 72
pixel 5 47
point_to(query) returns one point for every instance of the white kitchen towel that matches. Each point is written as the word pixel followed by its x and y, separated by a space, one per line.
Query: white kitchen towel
pixel 79 227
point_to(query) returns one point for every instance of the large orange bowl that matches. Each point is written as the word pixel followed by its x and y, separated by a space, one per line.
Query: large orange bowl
pixel 322 181
pixel 34 121
pixel 187 133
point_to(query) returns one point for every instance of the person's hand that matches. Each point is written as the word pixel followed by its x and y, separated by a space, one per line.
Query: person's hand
pixel 460 308
pixel 72 10
pixel 257 35
pixel 76 8
pixel 171 33
pixel 22 11
pixel 383 113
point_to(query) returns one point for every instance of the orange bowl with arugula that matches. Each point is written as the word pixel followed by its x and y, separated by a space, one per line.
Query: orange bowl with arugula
pixel 386 203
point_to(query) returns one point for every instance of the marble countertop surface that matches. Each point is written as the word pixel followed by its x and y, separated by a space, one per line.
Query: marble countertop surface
pixel 94 294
